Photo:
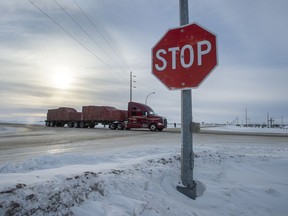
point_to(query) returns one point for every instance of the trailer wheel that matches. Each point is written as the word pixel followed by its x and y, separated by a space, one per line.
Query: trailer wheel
pixel 70 124
pixel 82 124
pixel 76 124
pixel 152 127
pixel 59 124
pixel 92 125
pixel 51 124
pixel 113 126
pixel 120 126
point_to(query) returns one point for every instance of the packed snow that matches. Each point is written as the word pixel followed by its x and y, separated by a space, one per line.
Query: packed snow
pixel 237 178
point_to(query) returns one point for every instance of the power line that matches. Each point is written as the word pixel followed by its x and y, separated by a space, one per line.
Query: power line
pixel 77 40
pixel 82 29
pixel 116 52
pixel 100 33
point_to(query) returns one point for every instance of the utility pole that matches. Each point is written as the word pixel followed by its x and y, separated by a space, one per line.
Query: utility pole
pixel 246 117
pixel 271 122
pixel 131 84
pixel 187 154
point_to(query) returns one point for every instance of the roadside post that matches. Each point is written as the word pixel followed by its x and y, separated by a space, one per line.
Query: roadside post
pixel 181 60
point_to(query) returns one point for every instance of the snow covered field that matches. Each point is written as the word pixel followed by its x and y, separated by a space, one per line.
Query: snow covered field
pixel 241 175
pixel 248 130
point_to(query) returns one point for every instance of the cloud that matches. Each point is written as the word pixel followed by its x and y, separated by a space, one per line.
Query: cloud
pixel 252 51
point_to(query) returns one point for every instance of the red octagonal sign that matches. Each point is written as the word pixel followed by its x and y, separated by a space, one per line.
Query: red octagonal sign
pixel 184 57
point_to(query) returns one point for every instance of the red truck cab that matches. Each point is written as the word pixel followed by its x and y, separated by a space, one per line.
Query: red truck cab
pixel 142 116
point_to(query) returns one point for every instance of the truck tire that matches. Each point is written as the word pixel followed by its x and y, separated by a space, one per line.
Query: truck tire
pixel 51 124
pixel 70 124
pixel 113 126
pixel 160 129
pixel 59 124
pixel 92 125
pixel 120 126
pixel 153 127
pixel 76 124
pixel 82 124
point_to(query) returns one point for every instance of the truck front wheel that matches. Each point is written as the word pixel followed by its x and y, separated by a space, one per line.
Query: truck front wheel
pixel 152 127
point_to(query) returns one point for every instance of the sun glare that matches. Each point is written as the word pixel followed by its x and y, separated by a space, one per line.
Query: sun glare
pixel 62 78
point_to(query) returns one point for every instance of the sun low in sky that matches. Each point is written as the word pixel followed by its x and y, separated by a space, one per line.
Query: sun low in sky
pixel 81 52
pixel 62 78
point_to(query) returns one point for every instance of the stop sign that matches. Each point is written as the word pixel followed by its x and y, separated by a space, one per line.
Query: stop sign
pixel 184 57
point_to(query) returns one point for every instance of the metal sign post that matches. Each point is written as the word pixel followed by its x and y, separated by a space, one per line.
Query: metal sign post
pixel 187 155
pixel 182 59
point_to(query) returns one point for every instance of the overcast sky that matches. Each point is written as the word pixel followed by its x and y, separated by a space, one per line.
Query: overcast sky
pixel 80 52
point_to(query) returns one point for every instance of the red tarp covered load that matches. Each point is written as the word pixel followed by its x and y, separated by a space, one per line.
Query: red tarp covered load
pixel 63 114
pixel 103 113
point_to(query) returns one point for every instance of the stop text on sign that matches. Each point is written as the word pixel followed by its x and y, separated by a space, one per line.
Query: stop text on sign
pixel 203 48
pixel 184 56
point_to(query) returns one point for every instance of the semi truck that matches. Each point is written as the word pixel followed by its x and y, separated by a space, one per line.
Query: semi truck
pixel 137 116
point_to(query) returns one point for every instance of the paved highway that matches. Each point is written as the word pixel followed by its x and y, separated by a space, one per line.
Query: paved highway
pixel 21 142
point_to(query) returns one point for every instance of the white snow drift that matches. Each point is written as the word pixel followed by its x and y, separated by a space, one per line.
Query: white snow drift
pixel 232 179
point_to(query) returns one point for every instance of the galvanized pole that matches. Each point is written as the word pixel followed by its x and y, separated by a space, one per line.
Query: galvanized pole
pixel 187 155
pixel 130 86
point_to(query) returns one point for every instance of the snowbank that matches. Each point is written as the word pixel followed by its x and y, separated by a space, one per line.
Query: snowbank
pixel 238 179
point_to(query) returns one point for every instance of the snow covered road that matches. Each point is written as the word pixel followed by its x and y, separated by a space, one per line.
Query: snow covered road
pixel 21 142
